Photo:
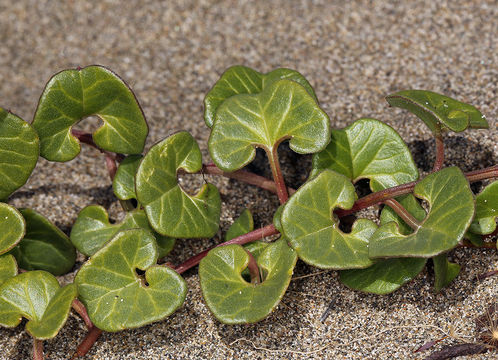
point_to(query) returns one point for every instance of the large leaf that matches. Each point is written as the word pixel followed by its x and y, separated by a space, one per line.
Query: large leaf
pixel 115 296
pixel 123 183
pixel 313 231
pixel 232 299
pixel 44 247
pixel 283 110
pixel 486 210
pixel 243 80
pixel 36 296
pixel 170 210
pixel 437 110
pixel 8 267
pixel 242 225
pixel 92 230
pixel 451 212
pixel 72 95
pixel 19 149
pixel 12 227
pixel 444 272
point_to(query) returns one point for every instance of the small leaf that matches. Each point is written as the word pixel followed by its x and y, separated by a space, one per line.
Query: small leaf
pixel 92 230
pixel 44 247
pixel 451 212
pixel 123 183
pixel 444 272
pixel 8 267
pixel 73 95
pixel 277 218
pixel 115 297
pixel 243 80
pixel 313 231
pixel 283 110
pixel 12 227
pixel 37 296
pixel 486 210
pixel 438 110
pixel 233 300
pixel 19 149
pixel 242 225
pixel 170 210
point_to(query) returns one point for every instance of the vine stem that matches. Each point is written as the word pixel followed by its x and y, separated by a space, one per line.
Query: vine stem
pixel 438 164
pixel 87 342
pixel 81 310
pixel 37 349
pixel 282 193
pixel 399 209
pixel 253 269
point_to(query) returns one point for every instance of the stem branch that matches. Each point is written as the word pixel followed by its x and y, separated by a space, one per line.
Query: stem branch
pixel 282 193
pixel 88 342
pixel 399 209
pixel 81 310
pixel 37 349
pixel 253 269
pixel 438 164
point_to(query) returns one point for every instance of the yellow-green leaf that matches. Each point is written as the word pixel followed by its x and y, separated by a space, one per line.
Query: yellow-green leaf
pixel 123 183
pixel 8 267
pixel 486 210
pixel 12 227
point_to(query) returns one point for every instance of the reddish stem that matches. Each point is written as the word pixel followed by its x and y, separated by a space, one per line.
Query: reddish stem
pixel 85 138
pixel 110 163
pixel 487 274
pixel 88 342
pixel 81 310
pixel 278 177
pixel 37 349
pixel 399 209
pixel 438 164
pixel 253 269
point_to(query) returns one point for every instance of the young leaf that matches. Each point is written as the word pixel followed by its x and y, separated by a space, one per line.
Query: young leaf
pixel 170 210
pixel 242 225
pixel 451 212
pixel 444 271
pixel 19 149
pixel 12 227
pixel 115 296
pixel 437 110
pixel 308 222
pixel 92 230
pixel 8 267
pixel 233 300
pixel 44 247
pixel 243 80
pixel 123 183
pixel 38 297
pixel 73 95
pixel 283 110
pixel 486 210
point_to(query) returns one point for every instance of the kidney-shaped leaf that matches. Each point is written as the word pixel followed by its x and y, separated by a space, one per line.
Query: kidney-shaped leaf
pixel 19 149
pixel 283 110
pixel 44 247
pixel 92 230
pixel 243 80
pixel 123 183
pixel 12 227
pixel 437 110
pixel 232 299
pixel 308 222
pixel 36 296
pixel 444 272
pixel 486 210
pixel 72 95
pixel 170 210
pixel 115 296
pixel 451 212
pixel 8 267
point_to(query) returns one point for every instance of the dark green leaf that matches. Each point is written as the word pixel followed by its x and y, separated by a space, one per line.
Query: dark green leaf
pixel 8 267
pixel 486 210
pixel 12 227
pixel 123 183
pixel 444 271
pixel 242 225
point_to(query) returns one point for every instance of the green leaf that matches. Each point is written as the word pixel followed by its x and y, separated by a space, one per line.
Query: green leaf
pixel 73 95
pixel 170 210
pixel 368 149
pixel 486 210
pixel 115 296
pixel 12 227
pixel 243 80
pixel 8 267
pixel 124 180
pixel 444 272
pixel 313 231
pixel 283 110
pixel 437 110
pixel 233 300
pixel 92 230
pixel 19 150
pixel 36 296
pixel 242 225
pixel 44 247
pixel 451 212
pixel 277 217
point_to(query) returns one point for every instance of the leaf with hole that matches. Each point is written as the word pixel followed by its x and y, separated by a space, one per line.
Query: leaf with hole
pixel 73 95
pixel 486 210
pixel 19 149
pixel 438 111
pixel 12 227
pixel 115 296
pixel 38 297
pixel 170 210
pixel 232 299
pixel 8 267
pixel 283 110
pixel 444 272
pixel 243 80
pixel 313 231
pixel 92 230
pixel 44 247
pixel 123 183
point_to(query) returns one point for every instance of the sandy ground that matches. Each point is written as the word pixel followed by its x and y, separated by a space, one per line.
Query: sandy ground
pixel 354 54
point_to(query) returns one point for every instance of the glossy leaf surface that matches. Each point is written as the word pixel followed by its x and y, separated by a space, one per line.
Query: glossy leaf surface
pixel 19 149
pixel 243 80
pixel 123 183
pixel 232 299
pixel 36 296
pixel 438 110
pixel 451 212
pixel 8 267
pixel 44 247
pixel 486 210
pixel 115 296
pixel 12 227
pixel 283 110
pixel 242 225
pixel 73 95
pixel 444 272
pixel 170 210
pixel 314 233
pixel 92 230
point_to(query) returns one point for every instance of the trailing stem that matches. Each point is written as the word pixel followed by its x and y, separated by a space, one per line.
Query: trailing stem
pixel 282 193
pixel 81 310
pixel 253 269
pixel 37 349
pixel 438 164
pixel 88 342
pixel 399 209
